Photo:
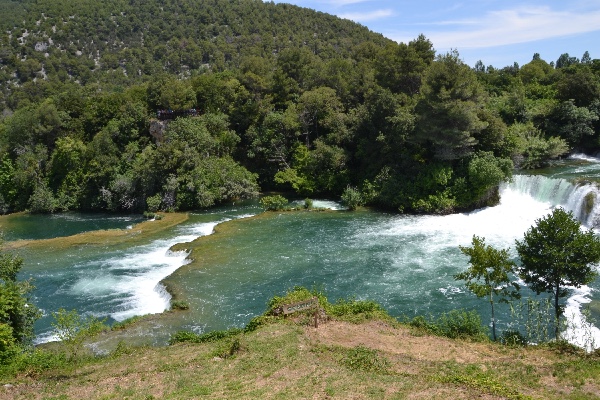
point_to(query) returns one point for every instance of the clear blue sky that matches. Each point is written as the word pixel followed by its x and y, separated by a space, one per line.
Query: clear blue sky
pixel 495 32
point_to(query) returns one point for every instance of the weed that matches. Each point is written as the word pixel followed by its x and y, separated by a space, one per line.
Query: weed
pixel 191 337
pixel 454 324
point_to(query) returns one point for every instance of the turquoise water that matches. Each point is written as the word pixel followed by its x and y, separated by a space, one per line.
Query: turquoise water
pixel 406 263
pixel 33 227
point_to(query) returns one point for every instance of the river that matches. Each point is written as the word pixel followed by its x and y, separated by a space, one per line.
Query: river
pixel 406 263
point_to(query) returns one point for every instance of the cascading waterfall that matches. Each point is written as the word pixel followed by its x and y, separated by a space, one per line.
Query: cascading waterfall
pixel 581 199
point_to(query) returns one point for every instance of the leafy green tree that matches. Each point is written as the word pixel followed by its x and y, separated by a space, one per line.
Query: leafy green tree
pixel 489 274
pixel 448 110
pixel 574 124
pixel 73 330
pixel 17 313
pixel 555 253
pixel 486 172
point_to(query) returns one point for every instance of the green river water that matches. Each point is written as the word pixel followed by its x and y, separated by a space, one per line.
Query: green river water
pixel 406 263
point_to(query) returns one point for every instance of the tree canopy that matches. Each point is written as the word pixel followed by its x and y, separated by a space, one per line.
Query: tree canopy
pixel 284 98
pixel 556 254
pixel 489 274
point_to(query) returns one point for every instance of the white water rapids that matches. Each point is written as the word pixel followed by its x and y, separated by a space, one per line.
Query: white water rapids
pixel 406 263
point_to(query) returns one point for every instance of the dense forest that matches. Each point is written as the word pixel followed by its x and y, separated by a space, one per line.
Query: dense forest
pixel 279 98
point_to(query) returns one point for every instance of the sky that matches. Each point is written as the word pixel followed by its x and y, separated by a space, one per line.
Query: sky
pixel 499 33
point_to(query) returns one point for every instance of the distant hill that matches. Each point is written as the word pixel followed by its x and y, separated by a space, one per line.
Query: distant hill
pixel 84 39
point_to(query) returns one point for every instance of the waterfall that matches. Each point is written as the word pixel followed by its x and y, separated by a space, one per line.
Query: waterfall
pixel 581 199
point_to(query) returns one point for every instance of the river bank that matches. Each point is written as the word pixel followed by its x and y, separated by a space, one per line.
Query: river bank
pixel 283 360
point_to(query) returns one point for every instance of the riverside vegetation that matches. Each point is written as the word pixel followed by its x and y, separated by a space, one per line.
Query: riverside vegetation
pixel 284 98
pixel 288 99
pixel 358 351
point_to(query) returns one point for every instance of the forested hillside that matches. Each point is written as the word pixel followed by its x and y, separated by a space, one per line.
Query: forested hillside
pixel 279 97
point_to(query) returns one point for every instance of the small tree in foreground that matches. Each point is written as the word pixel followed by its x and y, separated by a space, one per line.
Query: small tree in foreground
pixel 17 313
pixel 488 275
pixel 555 253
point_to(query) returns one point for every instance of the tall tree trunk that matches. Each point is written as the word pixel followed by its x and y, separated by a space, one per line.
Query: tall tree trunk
pixel 557 311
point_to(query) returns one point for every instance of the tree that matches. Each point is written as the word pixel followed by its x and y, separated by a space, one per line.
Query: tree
pixel 17 313
pixel 488 274
pixel 555 253
pixel 448 110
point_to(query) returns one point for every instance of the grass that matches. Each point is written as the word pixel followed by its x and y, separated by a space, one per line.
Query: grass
pixel 283 359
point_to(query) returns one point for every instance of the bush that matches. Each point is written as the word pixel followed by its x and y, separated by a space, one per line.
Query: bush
pixel 17 313
pixel 462 324
pixel 273 203
pixel 153 203
pixel 454 324
pixel 32 363
pixel 308 204
pixel 352 198
pixel 8 345
pixel 73 330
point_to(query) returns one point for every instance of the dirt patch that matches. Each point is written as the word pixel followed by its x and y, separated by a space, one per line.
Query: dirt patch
pixel 400 341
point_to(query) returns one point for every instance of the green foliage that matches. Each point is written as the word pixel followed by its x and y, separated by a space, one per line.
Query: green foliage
pixel 274 203
pixel 17 313
pixel 357 311
pixel 308 204
pixel 73 330
pixel 191 337
pixel 536 150
pixel 8 344
pixel 533 318
pixel 488 275
pixel 556 253
pixel 456 324
pixel 486 172
pixel 352 198
pixel 153 203
pixel 513 338
pixel 33 363
pixel 285 96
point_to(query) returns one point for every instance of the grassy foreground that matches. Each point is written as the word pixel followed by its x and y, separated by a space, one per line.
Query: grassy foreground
pixel 345 358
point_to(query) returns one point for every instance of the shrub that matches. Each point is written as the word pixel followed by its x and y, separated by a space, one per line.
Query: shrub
pixel 8 345
pixel 73 330
pixel 352 198
pixel 273 203
pixel 462 324
pixel 454 324
pixel 153 202
pixel 308 204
